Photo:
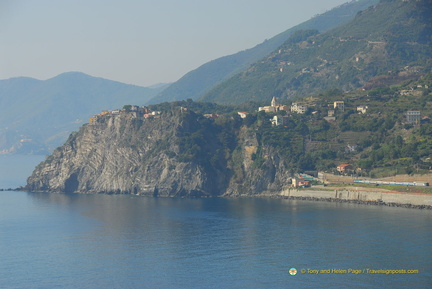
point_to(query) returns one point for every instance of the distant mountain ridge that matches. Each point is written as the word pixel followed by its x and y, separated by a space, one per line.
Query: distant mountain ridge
pixel 197 82
pixel 387 43
pixel 38 115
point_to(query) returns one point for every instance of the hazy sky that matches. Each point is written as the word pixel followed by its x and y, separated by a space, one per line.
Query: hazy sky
pixel 140 42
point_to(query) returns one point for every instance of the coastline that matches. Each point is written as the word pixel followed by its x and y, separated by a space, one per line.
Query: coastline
pixel 379 198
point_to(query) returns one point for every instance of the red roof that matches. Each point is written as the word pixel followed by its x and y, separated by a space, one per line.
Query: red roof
pixel 343 165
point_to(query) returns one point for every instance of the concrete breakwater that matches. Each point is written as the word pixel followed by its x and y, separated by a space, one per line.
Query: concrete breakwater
pixel 420 201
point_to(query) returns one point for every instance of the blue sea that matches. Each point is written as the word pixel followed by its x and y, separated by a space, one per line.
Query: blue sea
pixel 113 241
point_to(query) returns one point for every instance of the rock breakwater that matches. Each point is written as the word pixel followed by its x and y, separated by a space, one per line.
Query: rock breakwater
pixel 392 199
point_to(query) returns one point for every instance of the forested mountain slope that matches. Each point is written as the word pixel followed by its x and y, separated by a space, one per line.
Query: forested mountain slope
pixel 199 81
pixel 387 43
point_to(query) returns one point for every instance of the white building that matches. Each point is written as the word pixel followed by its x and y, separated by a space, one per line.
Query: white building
pixel 279 120
pixel 362 109
pixel 274 106
pixel 299 108
pixel 413 117
pixel 339 105
pixel 242 114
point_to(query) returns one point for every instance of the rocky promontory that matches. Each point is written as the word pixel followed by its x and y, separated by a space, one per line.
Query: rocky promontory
pixel 172 153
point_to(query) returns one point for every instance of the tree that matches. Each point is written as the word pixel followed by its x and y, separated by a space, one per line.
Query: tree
pixel 127 107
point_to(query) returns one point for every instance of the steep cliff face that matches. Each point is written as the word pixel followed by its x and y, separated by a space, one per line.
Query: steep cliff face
pixel 124 154
pixel 257 168
pixel 178 153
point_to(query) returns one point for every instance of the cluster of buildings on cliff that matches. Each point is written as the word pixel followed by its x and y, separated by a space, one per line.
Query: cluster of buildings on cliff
pixel 412 116
pixel 132 111
pixel 300 108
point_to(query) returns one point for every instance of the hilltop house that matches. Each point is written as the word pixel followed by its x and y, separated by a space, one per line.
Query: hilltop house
pixel 133 111
pixel 413 117
pixel 343 168
pixel 340 105
pixel 279 120
pixel 330 115
pixel 242 114
pixel 299 108
pixel 362 109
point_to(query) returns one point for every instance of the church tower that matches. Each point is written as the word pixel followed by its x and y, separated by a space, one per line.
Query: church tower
pixel 273 102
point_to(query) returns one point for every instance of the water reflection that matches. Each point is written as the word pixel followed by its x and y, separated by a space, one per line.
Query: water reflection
pixel 168 241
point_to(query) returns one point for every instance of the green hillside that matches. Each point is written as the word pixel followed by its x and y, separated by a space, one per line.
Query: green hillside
pixel 199 81
pixel 181 152
pixel 385 44
pixel 378 141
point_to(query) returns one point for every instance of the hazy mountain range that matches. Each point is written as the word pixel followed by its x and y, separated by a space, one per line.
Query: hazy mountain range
pixel 198 82
pixel 372 45
pixel 39 115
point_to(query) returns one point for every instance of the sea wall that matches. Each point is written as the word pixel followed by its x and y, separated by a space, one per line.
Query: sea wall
pixel 379 198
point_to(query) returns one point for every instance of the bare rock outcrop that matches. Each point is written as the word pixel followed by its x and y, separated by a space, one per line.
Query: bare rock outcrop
pixel 177 153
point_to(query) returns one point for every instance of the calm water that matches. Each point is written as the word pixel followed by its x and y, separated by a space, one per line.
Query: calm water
pixel 14 169
pixel 100 241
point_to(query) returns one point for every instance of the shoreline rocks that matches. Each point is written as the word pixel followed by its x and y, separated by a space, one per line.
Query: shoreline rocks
pixel 371 203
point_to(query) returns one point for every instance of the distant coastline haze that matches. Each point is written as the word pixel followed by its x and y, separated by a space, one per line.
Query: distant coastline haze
pixel 137 42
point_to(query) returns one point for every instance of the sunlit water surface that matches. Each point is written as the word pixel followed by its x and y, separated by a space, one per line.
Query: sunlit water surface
pixel 106 241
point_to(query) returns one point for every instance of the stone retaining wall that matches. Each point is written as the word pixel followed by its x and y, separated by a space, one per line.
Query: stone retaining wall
pixel 384 198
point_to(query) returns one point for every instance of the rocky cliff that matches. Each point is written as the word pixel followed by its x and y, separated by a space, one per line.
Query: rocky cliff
pixel 268 174
pixel 176 153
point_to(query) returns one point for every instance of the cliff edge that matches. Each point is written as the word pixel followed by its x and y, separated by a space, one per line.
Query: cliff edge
pixel 174 153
